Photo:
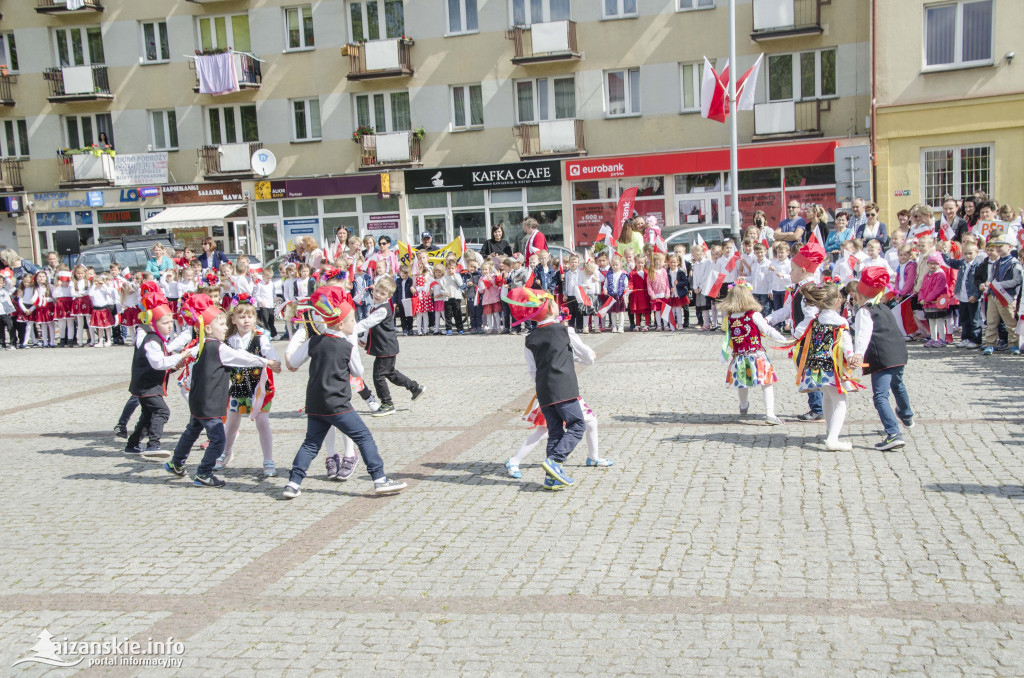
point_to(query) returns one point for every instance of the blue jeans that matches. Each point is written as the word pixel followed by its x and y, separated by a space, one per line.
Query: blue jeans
pixel 129 409
pixel 348 423
pixel 881 383
pixel 814 400
pixel 970 321
pixel 214 432
pixel 565 428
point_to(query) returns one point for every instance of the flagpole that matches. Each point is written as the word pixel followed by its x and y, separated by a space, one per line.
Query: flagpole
pixel 733 153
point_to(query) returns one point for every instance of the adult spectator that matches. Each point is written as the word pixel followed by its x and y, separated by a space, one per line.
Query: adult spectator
pixel 211 257
pixel 792 228
pixel 427 242
pixel 818 219
pixel 903 217
pixel 951 219
pixel 52 263
pixel 842 232
pixel 159 262
pixel 534 240
pixel 873 229
pixel 632 237
pixel 313 255
pixel 18 266
pixel 340 241
pixel 859 217
pixel 969 211
pixel 387 258
pixel 497 243
pixel 369 246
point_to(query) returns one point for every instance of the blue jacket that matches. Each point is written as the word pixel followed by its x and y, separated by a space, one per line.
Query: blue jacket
pixel 882 237
pixel 835 239
pixel 966 275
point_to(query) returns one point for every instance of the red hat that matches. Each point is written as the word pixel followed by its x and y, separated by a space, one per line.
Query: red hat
pixel 873 279
pixel 330 303
pixel 154 306
pixel 526 303
pixel 150 287
pixel 810 256
pixel 199 310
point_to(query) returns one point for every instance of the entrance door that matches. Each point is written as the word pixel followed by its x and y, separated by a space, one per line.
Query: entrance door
pixel 693 210
pixel 436 224
pixel 270 235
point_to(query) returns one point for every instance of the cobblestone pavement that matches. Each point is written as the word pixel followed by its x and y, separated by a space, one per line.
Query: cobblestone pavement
pixel 716 545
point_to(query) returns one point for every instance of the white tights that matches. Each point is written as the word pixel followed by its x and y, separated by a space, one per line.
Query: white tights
pixel 769 399
pixel 492 322
pixel 30 334
pixel 538 434
pixel 46 333
pixel 63 329
pixel 102 334
pixel 83 331
pixel 834 404
pixel 938 329
pixel 350 447
pixel 422 323
pixel 234 420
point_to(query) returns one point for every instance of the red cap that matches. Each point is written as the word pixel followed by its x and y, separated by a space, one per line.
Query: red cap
pixel 150 287
pixel 526 303
pixel 873 280
pixel 810 256
pixel 331 304
pixel 200 306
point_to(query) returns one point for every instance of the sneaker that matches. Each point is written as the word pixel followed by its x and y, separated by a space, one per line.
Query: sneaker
pixel 461 333
pixel 811 416
pixel 346 468
pixel 890 443
pixel 209 480
pixel 222 461
pixel 333 463
pixel 838 445
pixel 448 333
pixel 418 391
pixel 173 469
pixel 967 343
pixel 269 469
pixel 291 490
pixel 120 431
pixel 385 410
pixel 988 350
pixel 744 410
pixel 599 462
pixel 773 421
pixel 552 484
pixel 1002 346
pixel 555 470
pixel 155 452
pixel 133 450
pixel 1014 350
pixel 909 424
pixel 513 469
pixel 373 404
pixel 388 486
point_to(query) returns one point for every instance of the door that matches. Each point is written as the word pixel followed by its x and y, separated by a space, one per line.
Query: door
pixel 692 210
pixel 435 223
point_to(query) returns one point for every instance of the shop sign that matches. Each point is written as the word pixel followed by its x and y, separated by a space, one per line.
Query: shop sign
pixel 45 202
pixel 229 191
pixel 384 224
pixel 296 228
pixel 362 184
pixel 514 175
pixel 118 216
pixel 148 192
pixel 132 169
pixel 44 219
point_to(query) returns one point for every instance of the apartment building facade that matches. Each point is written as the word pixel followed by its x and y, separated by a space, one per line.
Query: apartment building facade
pixel 392 116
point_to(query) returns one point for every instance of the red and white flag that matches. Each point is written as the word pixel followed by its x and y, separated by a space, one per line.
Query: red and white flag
pixel 730 265
pixel 603 311
pixel 920 230
pixel 584 299
pixel 816 236
pixel 714 100
pixel 746 86
pixel 667 315
pixel 659 245
pixel 1000 295
pixel 945 231
pixel 623 210
pixel 461 266
pixel 605 234
pixel 713 285
pixel 700 243
pixel 904 315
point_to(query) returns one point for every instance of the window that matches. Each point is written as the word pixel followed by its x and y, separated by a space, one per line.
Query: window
pixel 802 77
pixel 690 81
pixel 78 46
pixel 155 45
pixel 298 25
pixel 696 4
pixel 232 124
pixel 164 126
pixel 384 111
pixel 376 20
pixel 8 52
pixel 306 119
pixel 224 32
pixel 955 171
pixel 527 12
pixel 467 106
pixel 535 103
pixel 462 16
pixel 617 9
pixel 85 130
pixel 623 92
pixel 958 33
pixel 15 139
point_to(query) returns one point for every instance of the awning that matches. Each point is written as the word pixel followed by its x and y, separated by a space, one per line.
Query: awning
pixel 191 216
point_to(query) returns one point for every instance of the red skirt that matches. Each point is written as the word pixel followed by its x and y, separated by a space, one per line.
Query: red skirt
pixel 43 314
pixel 19 315
pixel 678 302
pixel 639 301
pixel 81 306
pixel 492 308
pixel 101 317
pixel 62 308
pixel 422 303
pixel 130 316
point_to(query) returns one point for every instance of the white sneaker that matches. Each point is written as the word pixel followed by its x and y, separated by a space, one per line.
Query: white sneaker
pixel 838 445
pixel 373 404
pixel 968 344
pixel 388 486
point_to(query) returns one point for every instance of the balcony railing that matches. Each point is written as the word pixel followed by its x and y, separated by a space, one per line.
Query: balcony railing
pixel 78 83
pixel 86 169
pixel 379 59
pixel 10 174
pixel 61 6
pixel 551 138
pixel 247 70
pixel 541 42
pixel 785 18
pixel 228 159
pixel 394 149
pixel 788 119
pixel 6 95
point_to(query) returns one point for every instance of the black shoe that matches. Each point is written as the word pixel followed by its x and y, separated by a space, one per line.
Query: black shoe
pixel 811 416
pixel 506 332
pixel 132 450
pixel 121 431
pixel 209 480
pixel 417 392
pixel 385 410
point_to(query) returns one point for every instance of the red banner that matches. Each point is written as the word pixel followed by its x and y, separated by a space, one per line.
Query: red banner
pixel 624 210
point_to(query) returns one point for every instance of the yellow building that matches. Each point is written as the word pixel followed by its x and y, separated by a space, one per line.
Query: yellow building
pixel 950 102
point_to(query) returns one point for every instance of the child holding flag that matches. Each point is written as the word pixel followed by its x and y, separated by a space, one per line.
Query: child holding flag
pixel 701 269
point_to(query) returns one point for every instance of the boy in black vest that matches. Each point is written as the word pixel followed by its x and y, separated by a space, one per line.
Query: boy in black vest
pixel 153 360
pixel 880 346
pixel 382 344
pixel 328 394
pixel 550 358
pixel 208 396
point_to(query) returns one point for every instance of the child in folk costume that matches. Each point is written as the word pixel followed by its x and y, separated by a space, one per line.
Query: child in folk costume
pixel 382 344
pixel 131 297
pixel 44 308
pixel 24 305
pixel 81 304
pixel 679 291
pixel 247 391
pixel 211 382
pixel 658 288
pixel 639 299
pixel 186 286
pixel 490 297
pixel 615 285
pixel 402 299
pixel 934 296
pixel 700 271
pixel 823 357
pixel 423 302
pixel 749 365
pixel 102 320
pixel 62 302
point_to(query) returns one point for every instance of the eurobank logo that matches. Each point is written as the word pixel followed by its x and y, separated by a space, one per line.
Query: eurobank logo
pixel 582 170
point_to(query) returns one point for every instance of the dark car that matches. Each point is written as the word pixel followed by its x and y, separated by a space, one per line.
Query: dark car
pixel 130 251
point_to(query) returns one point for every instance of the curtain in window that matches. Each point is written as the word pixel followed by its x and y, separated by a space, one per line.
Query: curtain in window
pixel 634 91
pixel 977 35
pixel 689 79
pixel 172 128
pixel 476 105
pixel 524 101
pixel 565 98
pixel 363 111
pixel 307 26
pixel 542 99
pixel 459 100
pixel 314 119
pixel 356 13
pixel 472 22
pixel 159 138
pixel 215 133
pixel 240 33
pixel 95 39
pixel 372 21
pixel 10 149
pixel 380 123
pixel 616 93
pixel 71 123
pixel 401 117
pixel 611 7
pixel 23 136
pixel 104 125
pixel 300 120
pixel 88 138
pixel 292 20
pixel 394 16
pixel 519 13
pixel 536 11
pixel 807 89
pixel 454 16
pixel 149 37
pixel 780 77
pixel 828 72
pixel 230 126
pixel 939 37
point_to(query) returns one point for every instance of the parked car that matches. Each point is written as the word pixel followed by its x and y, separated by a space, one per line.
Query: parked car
pixel 131 251
pixel 713 235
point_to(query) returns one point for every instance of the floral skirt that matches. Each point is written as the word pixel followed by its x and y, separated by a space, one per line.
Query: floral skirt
pixel 100 318
pixel 749 370
pixel 244 405
pixel 130 316
pixel 813 378
pixel 81 306
pixel 62 308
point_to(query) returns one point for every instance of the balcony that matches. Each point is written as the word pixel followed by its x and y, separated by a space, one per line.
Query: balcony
pixel 78 83
pixel 395 149
pixel 788 120
pixel 543 42
pixel 775 19
pixel 247 71
pixel 83 170
pixel 61 6
pixel 379 59
pixel 228 160
pixel 10 175
pixel 551 138
pixel 6 95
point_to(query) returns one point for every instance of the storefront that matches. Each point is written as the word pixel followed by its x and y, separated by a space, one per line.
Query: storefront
pixel 193 212
pixel 444 200
pixel 692 188
pixel 95 215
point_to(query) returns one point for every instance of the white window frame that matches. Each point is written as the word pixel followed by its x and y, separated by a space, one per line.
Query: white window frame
pixel 620 12
pixel 307 113
pixel 462 14
pixel 530 20
pixel 550 113
pixel 796 72
pixel 236 112
pixel 382 23
pixel 467 104
pixel 78 124
pixel 698 77
pixel 85 45
pixel 388 122
pixel 958 37
pixel 165 124
pixel 300 9
pixel 20 138
pixel 229 28
pixel 696 5
pixel 5 54
pixel 957 151
pixel 632 107
pixel 155 23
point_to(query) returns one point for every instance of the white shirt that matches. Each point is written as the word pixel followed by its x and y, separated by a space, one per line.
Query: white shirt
pixel 892 257
pixel 241 284
pixel 581 353
pixel 786 312
pixel 700 269
pixel 571 281
pixel 263 293
pixel 155 355
pixel 300 353
pixel 780 278
pixel 760 277
pixel 100 296
pixel 865 325
pixel 867 262
pixel 241 343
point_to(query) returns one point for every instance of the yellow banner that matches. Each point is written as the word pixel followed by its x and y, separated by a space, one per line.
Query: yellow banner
pixel 406 253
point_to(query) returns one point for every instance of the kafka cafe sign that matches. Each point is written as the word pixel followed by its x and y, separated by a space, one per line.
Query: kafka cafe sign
pixel 483 176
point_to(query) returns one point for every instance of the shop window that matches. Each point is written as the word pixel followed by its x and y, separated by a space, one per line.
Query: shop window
pixel 645 186
pixel 340 205
pixel 549 218
pixel 424 201
pixel 298 26
pixel 462 17
pixel 506 196
pixel 602 189
pixel 958 33
pixel 811 175
pixel 467 198
pixel 757 179
pixel 709 182
pixel 267 208
pixel 473 225
pixel 332 224
pixel 156 47
pixel 300 207
pixel 372 203
pixel 544 194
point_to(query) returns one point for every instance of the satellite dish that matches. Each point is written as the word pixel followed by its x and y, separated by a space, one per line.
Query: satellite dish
pixel 263 162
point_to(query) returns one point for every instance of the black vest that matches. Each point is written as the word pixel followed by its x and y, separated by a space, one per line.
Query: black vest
pixel 382 340
pixel 797 307
pixel 328 390
pixel 145 380
pixel 208 397
pixel 888 347
pixel 556 373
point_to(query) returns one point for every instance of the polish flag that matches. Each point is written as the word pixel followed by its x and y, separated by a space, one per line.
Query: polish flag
pixel 905 318
pixel 1020 325
pixel 714 100
pixel 997 291
pixel 920 230
pixel 606 235
pixel 746 86
pixel 561 266
pixel 816 236
pixel 730 265
pixel 584 299
pixel 852 262
pixel 462 256
pixel 713 285
pixel 603 311
pixel 660 246
pixel 529 281
pixel 945 231
pixel 668 316
pixel 700 243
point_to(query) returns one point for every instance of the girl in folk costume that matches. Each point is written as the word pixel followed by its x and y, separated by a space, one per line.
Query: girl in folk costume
pixel 62 303
pixel 658 289
pixel 81 305
pixel 101 319
pixel 8 304
pixel 423 300
pixel 639 299
pixel 925 246
pixel 822 355
pixel 44 310
pixel 248 391
pixel 749 365
pixel 438 293
pixel 490 297
pixel 131 297
pixel 678 291
pixel 540 431
pixel 935 297
pixel 26 309
pixel 615 286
